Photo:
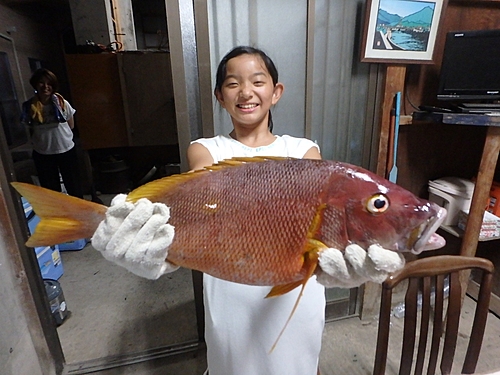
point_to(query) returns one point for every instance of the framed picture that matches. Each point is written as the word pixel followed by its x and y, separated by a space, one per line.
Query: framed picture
pixel 401 31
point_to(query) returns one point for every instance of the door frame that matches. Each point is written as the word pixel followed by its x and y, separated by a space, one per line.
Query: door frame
pixel 24 265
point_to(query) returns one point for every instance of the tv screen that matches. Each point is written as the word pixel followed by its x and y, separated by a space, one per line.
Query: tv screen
pixel 470 70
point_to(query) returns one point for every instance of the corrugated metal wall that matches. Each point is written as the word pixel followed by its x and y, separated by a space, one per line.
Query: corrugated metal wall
pixel 280 29
pixel 340 81
pixel 315 45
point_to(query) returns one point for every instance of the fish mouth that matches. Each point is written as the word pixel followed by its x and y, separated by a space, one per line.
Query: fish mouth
pixel 428 238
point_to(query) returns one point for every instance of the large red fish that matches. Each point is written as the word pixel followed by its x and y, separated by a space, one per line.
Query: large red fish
pixel 261 221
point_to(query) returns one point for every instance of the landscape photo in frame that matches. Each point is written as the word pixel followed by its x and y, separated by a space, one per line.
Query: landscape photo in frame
pixel 401 30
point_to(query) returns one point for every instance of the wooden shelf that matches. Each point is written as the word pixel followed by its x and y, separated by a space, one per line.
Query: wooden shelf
pixel 491 149
pixel 474 1
pixel 492 119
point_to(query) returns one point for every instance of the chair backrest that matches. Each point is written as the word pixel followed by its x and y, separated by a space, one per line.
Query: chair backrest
pixel 426 284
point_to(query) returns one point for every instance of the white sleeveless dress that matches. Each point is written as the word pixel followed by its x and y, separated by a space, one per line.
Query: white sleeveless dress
pixel 241 325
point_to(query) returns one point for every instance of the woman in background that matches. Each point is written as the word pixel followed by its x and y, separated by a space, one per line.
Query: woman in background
pixel 49 118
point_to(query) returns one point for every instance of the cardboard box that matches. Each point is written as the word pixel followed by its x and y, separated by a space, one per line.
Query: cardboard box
pixel 489 228
pixel 494 205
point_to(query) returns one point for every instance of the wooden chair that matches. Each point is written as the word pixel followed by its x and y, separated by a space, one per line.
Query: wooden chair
pixel 426 277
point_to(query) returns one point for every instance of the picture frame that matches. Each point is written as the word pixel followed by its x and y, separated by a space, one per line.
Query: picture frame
pixel 401 31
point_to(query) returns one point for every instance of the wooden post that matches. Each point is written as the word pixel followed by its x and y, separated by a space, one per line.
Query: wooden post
pixel 481 191
pixel 394 82
pixel 479 198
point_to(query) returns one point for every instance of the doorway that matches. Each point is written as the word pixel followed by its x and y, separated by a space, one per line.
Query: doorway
pixel 10 113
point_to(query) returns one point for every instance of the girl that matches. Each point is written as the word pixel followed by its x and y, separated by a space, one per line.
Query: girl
pixel 49 118
pixel 241 325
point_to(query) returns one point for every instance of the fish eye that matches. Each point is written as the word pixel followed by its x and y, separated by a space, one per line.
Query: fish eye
pixel 377 204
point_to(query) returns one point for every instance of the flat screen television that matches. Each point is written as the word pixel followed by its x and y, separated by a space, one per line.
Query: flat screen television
pixel 470 71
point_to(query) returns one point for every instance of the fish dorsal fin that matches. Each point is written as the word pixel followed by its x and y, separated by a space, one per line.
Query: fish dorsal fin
pixel 154 190
pixel 237 161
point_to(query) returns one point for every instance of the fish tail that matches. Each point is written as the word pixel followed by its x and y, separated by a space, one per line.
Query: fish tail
pixel 62 217
pixel 310 262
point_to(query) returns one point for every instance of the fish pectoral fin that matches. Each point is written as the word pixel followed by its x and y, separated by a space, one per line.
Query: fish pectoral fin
pixel 279 290
pixel 310 264
pixel 311 257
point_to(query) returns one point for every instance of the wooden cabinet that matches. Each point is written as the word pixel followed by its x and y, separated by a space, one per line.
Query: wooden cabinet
pixel 123 99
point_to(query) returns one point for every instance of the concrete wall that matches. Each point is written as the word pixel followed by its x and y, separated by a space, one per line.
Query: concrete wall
pixel 17 352
pixel 22 37
pixel 92 21
pixel 31 38
pixel 98 22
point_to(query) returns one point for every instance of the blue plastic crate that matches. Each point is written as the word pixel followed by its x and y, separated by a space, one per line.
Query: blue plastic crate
pixel 49 261
pixel 73 245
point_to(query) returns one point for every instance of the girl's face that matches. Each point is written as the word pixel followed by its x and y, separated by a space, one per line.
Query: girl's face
pixel 44 90
pixel 248 92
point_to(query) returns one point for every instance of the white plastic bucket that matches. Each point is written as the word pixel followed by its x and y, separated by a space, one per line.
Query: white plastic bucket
pixel 452 193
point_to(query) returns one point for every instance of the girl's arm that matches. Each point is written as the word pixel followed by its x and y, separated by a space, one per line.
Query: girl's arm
pixel 198 156
pixel 312 153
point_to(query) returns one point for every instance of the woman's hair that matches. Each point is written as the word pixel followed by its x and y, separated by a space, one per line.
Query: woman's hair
pixel 44 73
pixel 245 50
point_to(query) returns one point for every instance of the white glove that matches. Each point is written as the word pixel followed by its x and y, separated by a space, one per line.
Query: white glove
pixel 136 236
pixel 356 266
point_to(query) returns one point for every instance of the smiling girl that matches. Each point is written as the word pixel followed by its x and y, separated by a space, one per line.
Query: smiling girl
pixel 241 324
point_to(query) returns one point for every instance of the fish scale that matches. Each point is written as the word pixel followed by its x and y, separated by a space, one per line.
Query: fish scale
pixel 234 224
